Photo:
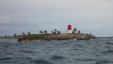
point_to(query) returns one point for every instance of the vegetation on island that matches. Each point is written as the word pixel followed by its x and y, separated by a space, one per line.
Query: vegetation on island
pixel 54 35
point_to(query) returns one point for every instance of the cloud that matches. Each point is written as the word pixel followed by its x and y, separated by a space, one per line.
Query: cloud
pixel 86 15
pixel 3 17
pixel 4 20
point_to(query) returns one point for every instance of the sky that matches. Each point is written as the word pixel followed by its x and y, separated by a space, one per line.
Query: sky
pixel 88 16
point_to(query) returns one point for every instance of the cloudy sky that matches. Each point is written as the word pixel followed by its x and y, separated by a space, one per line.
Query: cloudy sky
pixel 95 16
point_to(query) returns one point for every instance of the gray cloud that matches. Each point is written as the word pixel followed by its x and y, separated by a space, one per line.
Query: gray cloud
pixel 3 20
pixel 87 15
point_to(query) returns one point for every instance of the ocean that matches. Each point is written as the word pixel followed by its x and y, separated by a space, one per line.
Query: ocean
pixel 97 51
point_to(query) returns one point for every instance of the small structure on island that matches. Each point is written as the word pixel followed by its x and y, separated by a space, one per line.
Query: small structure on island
pixel 69 28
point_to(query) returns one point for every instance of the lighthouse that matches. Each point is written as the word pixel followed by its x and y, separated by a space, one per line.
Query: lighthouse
pixel 69 28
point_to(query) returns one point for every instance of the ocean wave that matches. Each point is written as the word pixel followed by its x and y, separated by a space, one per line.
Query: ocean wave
pixel 28 51
pixel 108 51
pixel 86 59
pixel 41 61
pixel 57 57
pixel 57 52
pixel 5 58
pixel 104 62
pixel 109 43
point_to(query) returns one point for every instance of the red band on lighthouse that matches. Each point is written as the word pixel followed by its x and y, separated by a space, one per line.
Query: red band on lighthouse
pixel 69 27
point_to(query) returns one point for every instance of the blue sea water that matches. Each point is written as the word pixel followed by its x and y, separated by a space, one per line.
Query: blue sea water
pixel 97 51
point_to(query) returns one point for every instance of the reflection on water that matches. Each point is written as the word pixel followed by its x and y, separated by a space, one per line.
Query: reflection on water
pixel 98 51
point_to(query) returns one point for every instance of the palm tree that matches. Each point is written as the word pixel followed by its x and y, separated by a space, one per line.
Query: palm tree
pixel 55 31
pixel 74 30
pixel 5 36
pixel 59 32
pixel 45 32
pixel 23 33
pixel 79 32
pixel 15 35
pixel 52 32
pixel 28 33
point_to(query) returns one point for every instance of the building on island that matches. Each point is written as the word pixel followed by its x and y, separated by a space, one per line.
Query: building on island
pixel 69 28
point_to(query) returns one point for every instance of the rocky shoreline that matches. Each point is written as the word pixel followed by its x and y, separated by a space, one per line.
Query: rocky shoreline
pixel 49 37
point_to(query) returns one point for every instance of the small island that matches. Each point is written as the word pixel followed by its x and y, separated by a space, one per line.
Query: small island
pixel 44 35
pixel 62 36
pixel 56 35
